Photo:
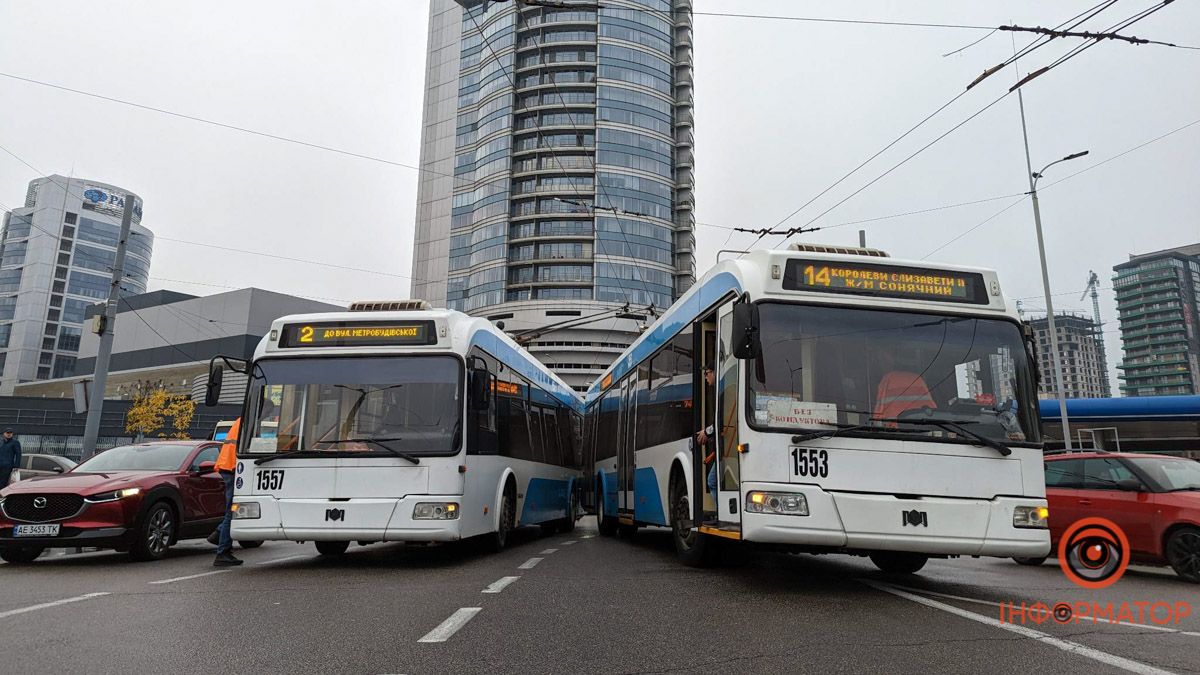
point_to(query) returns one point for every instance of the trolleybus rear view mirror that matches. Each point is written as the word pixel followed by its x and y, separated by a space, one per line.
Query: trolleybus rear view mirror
pixel 480 389
pixel 746 344
pixel 212 392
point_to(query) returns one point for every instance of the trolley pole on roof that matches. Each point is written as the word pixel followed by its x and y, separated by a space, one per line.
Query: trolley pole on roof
pixel 105 323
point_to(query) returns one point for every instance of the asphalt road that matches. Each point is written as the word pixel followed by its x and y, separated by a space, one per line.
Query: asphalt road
pixel 563 604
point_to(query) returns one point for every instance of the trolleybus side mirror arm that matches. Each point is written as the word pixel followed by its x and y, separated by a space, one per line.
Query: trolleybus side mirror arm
pixel 216 375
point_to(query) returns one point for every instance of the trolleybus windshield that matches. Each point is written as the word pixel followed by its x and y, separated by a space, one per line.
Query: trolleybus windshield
pixel 824 366
pixel 356 406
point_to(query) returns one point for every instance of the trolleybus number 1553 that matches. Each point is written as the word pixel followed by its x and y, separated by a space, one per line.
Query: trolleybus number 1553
pixel 810 462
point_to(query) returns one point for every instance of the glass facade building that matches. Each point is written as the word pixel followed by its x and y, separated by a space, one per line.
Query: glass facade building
pixel 557 169
pixel 1158 302
pixel 56 260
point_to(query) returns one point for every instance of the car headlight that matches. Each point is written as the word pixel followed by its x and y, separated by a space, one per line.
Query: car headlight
pixel 777 503
pixel 113 496
pixel 1031 516
pixel 246 510
pixel 435 511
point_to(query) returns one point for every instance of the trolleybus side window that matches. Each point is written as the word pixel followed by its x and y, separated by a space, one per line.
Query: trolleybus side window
pixel 606 425
pixel 484 435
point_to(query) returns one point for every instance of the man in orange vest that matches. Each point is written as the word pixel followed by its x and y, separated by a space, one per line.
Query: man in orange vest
pixel 226 465
pixel 900 390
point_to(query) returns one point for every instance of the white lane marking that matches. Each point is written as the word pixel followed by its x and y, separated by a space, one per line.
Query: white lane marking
pixel 549 551
pixel 529 564
pixel 450 626
pixel 587 536
pixel 500 584
pixel 568 543
pixel 190 576
pixel 1065 645
pixel 290 557
pixel 977 601
pixel 44 605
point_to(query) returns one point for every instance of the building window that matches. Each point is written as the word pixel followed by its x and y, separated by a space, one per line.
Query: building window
pixel 52 315
pixel 68 231
pixel 47 343
pixel 43 374
pixel 68 339
pixel 58 287
pixel 56 301
pixel 70 218
pixel 64 366
pixel 46 358
pixel 51 329
pixel 64 258
pixel 65 245
pixel 60 273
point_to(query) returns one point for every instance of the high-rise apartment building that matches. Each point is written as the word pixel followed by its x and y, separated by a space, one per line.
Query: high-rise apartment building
pixel 1157 299
pixel 56 260
pixel 1085 371
pixel 556 170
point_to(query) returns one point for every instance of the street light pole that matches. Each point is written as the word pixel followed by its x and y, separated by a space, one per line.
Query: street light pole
pixel 1051 324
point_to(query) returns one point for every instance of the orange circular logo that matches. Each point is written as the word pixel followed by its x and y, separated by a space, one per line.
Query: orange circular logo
pixel 1094 553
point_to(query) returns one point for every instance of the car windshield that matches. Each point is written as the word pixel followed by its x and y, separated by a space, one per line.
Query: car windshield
pixel 409 404
pixel 1171 473
pixel 144 457
pixel 823 366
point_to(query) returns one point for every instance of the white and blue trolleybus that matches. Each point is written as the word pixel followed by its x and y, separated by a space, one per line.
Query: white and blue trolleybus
pixel 857 404
pixel 396 422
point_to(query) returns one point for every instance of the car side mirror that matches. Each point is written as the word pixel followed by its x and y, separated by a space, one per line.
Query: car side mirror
pixel 206 468
pixel 212 391
pixel 746 344
pixel 1130 485
pixel 57 469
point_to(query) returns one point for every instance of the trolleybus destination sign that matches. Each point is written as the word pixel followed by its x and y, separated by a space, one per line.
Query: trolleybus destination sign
pixel 890 281
pixel 357 334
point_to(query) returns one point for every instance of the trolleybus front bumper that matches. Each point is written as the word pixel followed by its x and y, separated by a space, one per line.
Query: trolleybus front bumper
pixel 356 519
pixel 930 525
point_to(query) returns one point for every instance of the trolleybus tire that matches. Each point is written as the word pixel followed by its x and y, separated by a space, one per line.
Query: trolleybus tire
pixel 332 547
pixel 250 544
pixel 498 540
pixel 627 531
pixel 567 525
pixel 894 562
pixel 691 547
pixel 606 525
pixel 1031 562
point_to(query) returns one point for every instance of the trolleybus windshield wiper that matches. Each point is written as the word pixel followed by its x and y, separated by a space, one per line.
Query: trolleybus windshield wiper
pixel 271 458
pixel 953 426
pixel 838 429
pixel 379 442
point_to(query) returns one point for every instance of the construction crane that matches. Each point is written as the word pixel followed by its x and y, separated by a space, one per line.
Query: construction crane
pixel 1093 287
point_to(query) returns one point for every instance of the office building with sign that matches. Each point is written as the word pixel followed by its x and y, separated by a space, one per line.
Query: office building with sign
pixel 56 258
pixel 1158 302
pixel 165 339
pixel 1085 370
pixel 556 171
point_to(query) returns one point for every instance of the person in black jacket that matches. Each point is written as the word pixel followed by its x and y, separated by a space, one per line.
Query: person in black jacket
pixel 10 456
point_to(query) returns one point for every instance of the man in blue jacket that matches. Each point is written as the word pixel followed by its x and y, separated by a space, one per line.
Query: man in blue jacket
pixel 10 456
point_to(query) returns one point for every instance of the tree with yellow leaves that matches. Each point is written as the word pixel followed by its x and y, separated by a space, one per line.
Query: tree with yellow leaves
pixel 149 412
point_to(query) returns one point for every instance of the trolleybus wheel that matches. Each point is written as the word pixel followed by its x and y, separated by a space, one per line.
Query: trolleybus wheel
pixel 607 525
pixel 692 548
pixel 894 562
pixel 568 524
pixel 332 547
pixel 1031 562
pixel 498 540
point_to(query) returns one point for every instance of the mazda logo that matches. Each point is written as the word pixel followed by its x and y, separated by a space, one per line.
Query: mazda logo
pixel 39 502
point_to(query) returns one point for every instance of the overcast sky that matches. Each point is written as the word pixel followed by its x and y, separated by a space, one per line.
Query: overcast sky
pixel 783 109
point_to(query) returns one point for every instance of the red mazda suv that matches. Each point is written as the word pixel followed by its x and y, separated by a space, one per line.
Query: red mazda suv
pixel 140 498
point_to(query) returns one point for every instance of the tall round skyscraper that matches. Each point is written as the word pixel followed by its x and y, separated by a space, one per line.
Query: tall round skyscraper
pixel 56 260
pixel 556 171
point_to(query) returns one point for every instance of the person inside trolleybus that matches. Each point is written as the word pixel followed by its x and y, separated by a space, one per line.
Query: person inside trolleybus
pixel 900 390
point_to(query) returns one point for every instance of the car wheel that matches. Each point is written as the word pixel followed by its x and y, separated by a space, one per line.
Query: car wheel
pixel 154 533
pixel 893 562
pixel 332 547
pixel 1183 553
pixel 1031 562
pixel 19 555
pixel 249 544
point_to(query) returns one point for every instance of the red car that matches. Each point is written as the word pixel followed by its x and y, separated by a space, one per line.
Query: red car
pixel 139 498
pixel 1155 499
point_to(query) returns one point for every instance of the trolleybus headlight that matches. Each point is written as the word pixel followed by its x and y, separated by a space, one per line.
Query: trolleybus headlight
pixel 1031 516
pixel 246 510
pixel 778 503
pixel 435 511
